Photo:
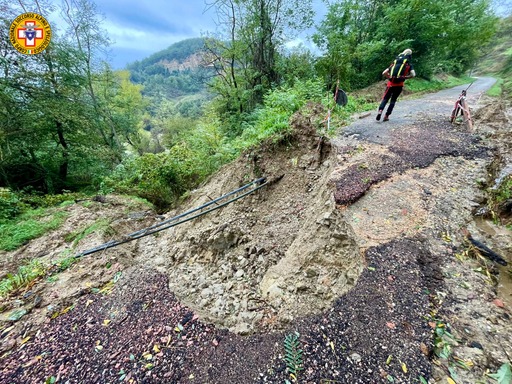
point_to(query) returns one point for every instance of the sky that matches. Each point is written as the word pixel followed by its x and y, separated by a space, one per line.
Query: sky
pixel 138 28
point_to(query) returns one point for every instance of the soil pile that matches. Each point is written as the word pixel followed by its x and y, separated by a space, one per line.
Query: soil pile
pixel 271 256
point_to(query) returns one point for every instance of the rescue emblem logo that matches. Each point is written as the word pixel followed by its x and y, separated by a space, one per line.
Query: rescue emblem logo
pixel 30 33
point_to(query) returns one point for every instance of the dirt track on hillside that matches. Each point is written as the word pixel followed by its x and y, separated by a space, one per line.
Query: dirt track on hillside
pixel 357 248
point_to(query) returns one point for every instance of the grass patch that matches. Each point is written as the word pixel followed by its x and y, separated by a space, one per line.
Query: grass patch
pixel 497 89
pixel 419 85
pixel 29 225
pixel 99 226
pixel 25 275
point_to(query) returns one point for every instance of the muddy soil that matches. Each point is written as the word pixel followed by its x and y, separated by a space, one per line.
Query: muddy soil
pixel 356 245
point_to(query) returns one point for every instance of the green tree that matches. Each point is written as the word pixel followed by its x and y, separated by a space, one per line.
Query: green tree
pixel 348 36
pixel 246 53
pixel 63 118
pixel 361 38
pixel 295 64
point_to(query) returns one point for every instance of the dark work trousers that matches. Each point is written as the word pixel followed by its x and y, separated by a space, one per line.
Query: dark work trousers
pixel 393 93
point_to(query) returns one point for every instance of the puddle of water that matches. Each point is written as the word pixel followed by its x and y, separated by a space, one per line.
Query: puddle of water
pixel 505 276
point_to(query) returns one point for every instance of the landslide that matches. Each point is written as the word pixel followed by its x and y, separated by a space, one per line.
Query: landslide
pixel 355 244
pixel 279 253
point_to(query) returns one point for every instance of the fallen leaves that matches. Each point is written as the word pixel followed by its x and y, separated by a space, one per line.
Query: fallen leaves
pixel 504 374
pixel 499 303
pixel 64 311
pixel 424 349
pixel 390 325
pixel 33 361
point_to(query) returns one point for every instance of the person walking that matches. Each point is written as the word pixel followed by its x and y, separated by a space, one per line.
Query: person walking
pixel 399 70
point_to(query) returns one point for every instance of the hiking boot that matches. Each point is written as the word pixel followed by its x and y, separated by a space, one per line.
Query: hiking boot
pixel 386 118
pixel 379 115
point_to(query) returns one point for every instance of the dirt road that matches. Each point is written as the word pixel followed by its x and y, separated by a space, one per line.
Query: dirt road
pixel 431 107
pixel 419 177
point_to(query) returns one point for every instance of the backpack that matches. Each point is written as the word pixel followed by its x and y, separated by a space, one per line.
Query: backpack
pixel 399 68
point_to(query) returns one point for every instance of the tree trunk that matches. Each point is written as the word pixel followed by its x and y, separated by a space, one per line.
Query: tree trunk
pixel 64 165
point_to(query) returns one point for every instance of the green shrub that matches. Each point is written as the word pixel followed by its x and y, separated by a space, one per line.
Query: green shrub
pixel 10 205
pixel 50 200
pixel 150 176
pixel 273 119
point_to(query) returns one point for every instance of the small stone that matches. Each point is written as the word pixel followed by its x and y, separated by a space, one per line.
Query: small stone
pixel 302 287
pixel 17 314
pixel 218 289
pixel 356 357
pixel 310 272
pixel 476 344
pixel 242 329
pixel 206 292
pixel 37 301
pixel 239 274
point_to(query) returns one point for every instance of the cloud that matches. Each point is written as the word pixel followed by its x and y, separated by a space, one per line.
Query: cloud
pixel 157 16
pixel 147 27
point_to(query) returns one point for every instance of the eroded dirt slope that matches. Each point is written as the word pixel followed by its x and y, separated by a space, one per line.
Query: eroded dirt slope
pixel 355 244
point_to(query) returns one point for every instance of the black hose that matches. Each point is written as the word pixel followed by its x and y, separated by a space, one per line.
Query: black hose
pixel 260 180
pixel 161 226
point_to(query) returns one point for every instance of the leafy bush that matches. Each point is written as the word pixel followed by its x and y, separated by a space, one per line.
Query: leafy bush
pixel 50 200
pixel 10 205
pixel 150 176
pixel 273 118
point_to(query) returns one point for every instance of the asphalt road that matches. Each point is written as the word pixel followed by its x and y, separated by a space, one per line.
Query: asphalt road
pixel 432 107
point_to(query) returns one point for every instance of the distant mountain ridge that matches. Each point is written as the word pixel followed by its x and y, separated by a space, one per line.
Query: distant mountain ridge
pixel 172 72
pixel 178 52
